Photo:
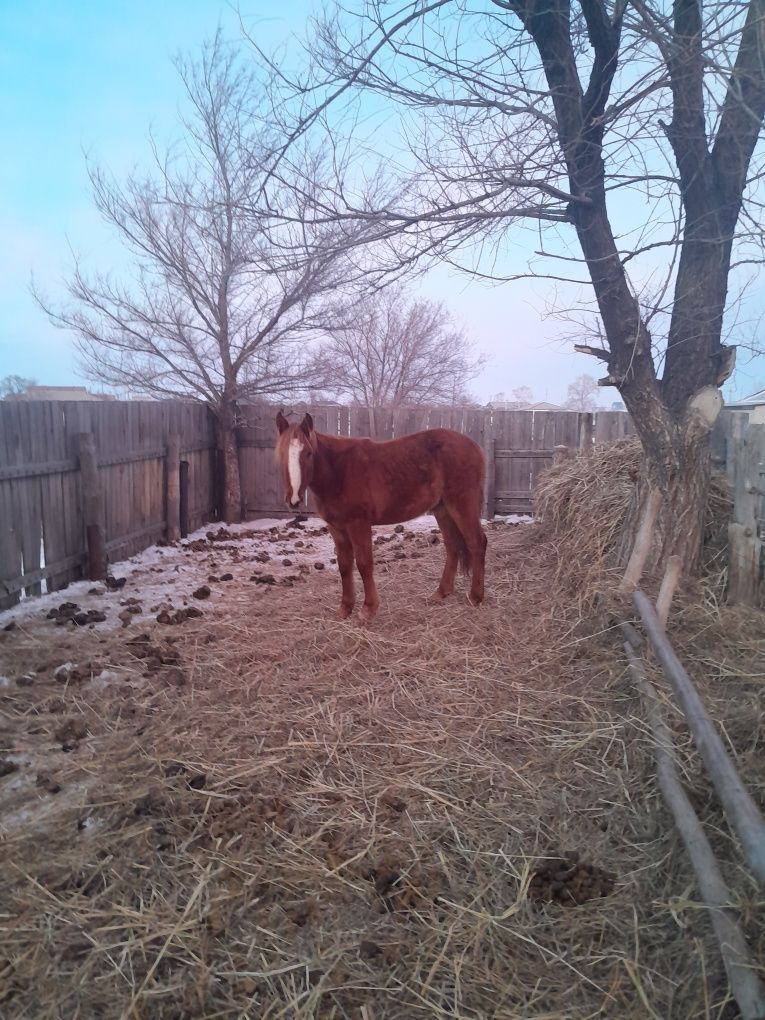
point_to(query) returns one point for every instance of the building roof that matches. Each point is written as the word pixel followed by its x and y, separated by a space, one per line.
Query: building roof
pixel 59 393
pixel 752 401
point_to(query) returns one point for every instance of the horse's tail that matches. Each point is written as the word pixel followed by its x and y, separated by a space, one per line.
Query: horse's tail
pixel 463 554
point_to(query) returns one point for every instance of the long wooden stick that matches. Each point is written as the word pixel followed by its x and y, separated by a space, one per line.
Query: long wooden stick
pixel 747 988
pixel 667 590
pixel 642 545
pixel 741 811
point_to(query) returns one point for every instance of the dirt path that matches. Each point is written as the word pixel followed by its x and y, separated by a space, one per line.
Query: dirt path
pixel 263 812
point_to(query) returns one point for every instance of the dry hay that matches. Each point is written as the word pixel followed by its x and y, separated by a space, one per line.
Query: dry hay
pixel 274 814
pixel 583 503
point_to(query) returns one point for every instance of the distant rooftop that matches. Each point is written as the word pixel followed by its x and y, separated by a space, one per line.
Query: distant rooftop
pixel 514 405
pixel 59 393
pixel 751 401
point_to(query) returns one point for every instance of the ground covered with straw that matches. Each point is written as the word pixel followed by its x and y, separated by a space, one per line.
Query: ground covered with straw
pixel 264 812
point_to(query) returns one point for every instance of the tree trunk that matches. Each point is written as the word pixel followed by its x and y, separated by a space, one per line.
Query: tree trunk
pixel 680 470
pixel 230 495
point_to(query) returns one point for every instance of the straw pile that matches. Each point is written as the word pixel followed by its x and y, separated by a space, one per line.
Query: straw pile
pixel 276 815
pixel 583 504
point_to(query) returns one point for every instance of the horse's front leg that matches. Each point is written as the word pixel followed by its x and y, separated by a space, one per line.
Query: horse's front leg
pixel 361 537
pixel 344 550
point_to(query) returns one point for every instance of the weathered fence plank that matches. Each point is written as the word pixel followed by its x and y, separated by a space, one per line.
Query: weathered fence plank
pixel 173 483
pixel 746 533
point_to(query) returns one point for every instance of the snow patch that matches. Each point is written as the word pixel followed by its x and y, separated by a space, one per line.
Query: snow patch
pixel 165 576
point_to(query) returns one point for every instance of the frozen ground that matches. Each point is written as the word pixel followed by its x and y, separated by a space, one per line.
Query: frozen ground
pixel 164 578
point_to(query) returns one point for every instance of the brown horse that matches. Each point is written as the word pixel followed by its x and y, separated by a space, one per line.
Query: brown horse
pixel 358 482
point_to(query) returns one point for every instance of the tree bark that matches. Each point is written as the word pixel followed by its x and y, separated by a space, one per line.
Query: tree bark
pixel 682 473
pixel 230 495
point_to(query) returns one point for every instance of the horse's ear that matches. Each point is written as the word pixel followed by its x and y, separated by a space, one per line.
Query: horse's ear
pixel 281 422
pixel 307 424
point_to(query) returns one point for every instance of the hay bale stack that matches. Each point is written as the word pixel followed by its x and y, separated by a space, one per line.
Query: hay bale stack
pixel 583 502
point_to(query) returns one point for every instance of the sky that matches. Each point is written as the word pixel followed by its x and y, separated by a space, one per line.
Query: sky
pixel 91 79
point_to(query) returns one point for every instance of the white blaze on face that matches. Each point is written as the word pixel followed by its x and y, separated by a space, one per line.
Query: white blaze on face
pixel 293 467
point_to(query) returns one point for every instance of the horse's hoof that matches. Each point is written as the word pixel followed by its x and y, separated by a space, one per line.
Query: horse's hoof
pixel 344 612
pixel 474 600
pixel 367 613
pixel 439 596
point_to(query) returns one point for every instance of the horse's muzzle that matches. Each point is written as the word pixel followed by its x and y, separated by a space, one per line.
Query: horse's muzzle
pixel 294 506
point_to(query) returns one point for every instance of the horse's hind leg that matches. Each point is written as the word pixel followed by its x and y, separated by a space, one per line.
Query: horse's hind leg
pixel 344 550
pixel 361 536
pixel 452 543
pixel 467 517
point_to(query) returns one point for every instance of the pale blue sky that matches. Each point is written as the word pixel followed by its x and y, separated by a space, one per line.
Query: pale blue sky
pixel 85 76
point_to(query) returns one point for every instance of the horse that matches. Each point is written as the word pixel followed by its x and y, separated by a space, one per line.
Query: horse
pixel 357 483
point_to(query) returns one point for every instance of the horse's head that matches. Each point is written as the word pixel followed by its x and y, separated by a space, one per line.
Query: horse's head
pixel 295 449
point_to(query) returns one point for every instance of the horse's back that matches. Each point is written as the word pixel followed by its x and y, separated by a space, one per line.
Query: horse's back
pixel 435 442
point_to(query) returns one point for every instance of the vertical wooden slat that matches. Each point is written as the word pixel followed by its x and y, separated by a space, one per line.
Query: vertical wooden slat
pixel 746 533
pixel 93 507
pixel 10 535
pixel 183 498
pixel 173 484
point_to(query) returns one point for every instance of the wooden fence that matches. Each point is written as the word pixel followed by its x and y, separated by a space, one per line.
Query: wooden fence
pixel 518 445
pixel 42 495
pixel 49 488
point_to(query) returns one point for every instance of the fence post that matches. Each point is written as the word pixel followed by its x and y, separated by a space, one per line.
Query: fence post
pixel 747 452
pixel 183 479
pixel 92 505
pixel 491 482
pixel 586 419
pixel 173 489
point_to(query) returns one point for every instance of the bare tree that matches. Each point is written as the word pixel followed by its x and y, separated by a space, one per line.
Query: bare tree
pixel 13 384
pixel 583 394
pixel 388 352
pixel 625 126
pixel 213 308
pixel 523 396
pixel 520 397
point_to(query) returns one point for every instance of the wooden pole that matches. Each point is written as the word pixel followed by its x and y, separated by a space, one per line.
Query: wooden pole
pixel 173 487
pixel 744 533
pixel 490 486
pixel 183 501
pixel 586 419
pixel 745 985
pixel 740 809
pixel 642 546
pixel 667 590
pixel 92 506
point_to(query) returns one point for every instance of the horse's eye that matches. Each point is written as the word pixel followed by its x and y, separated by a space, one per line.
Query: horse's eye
pixel 309 454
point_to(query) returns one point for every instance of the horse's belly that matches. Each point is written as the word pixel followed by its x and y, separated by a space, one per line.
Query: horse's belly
pixel 397 511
